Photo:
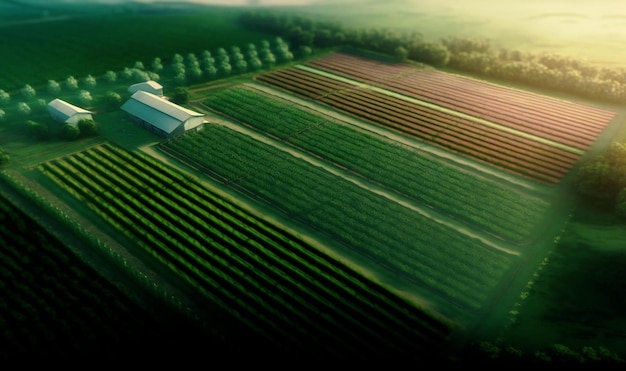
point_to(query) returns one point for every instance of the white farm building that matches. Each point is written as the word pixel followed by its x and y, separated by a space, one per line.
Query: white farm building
pixel 67 113
pixel 161 116
pixel 149 86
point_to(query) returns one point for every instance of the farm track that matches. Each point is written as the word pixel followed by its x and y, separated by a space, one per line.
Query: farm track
pixel 486 238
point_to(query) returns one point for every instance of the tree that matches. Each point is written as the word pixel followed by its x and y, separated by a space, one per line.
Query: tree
pixel 71 83
pixel 157 65
pixel 241 65
pixel 269 59
pixel 41 104
pixel 4 157
pixel 180 95
pixel 87 128
pixel 23 108
pixel 401 54
pixel 3 115
pixel 112 100
pixel 53 87
pixel 139 75
pixel 620 205
pixel 178 58
pixel 110 76
pixel 139 65
pixel 37 129
pixel 255 63
pixel 28 92
pixel 225 68
pixel 153 76
pixel 210 71
pixel 304 51
pixel 85 97
pixel 5 98
pixel 90 82
pixel 70 132
pixel 126 73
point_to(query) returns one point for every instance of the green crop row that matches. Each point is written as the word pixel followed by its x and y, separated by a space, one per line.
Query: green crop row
pixel 496 208
pixel 420 249
pixel 320 269
pixel 224 250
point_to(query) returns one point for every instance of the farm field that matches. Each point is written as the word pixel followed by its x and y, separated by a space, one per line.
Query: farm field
pixel 511 216
pixel 282 288
pixel 499 126
pixel 434 202
pixel 71 313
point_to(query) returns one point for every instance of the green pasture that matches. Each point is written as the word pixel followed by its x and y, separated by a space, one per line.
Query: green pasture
pixel 34 52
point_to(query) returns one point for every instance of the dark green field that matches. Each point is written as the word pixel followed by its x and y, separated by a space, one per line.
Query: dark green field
pixel 37 50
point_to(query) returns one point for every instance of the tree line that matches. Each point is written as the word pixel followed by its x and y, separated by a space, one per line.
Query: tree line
pixel 472 55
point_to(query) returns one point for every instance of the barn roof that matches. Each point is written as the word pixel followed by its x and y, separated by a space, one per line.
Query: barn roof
pixel 146 84
pixel 65 108
pixel 158 111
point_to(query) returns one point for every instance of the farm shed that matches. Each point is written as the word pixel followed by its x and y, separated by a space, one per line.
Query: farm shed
pixel 149 86
pixel 67 113
pixel 161 116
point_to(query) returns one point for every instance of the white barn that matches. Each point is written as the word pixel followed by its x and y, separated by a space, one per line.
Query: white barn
pixel 161 116
pixel 67 113
pixel 149 86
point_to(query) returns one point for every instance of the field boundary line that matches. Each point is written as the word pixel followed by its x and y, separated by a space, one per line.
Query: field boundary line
pixel 444 110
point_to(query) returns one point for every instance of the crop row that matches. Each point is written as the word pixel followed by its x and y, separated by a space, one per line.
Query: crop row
pixel 57 305
pixel 410 244
pixel 515 154
pixel 277 286
pixel 539 115
pixel 496 209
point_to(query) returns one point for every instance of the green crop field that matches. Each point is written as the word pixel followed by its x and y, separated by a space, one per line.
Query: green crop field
pixel 311 215
pixel 282 288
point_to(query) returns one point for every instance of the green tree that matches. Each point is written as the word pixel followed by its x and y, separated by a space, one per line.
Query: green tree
pixel 5 98
pixel 28 92
pixel 111 100
pixel 620 204
pixel 87 128
pixel 157 65
pixel 401 54
pixel 38 129
pixel 593 182
pixel 4 157
pixel 71 83
pixel 70 132
pixel 23 108
pixel 110 76
pixel 85 97
pixel 180 95
pixel 53 87
pixel 90 82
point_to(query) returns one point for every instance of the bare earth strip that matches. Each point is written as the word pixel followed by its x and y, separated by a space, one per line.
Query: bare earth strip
pixel 444 110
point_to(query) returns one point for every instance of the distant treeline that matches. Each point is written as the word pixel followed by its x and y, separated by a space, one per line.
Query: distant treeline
pixel 477 56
